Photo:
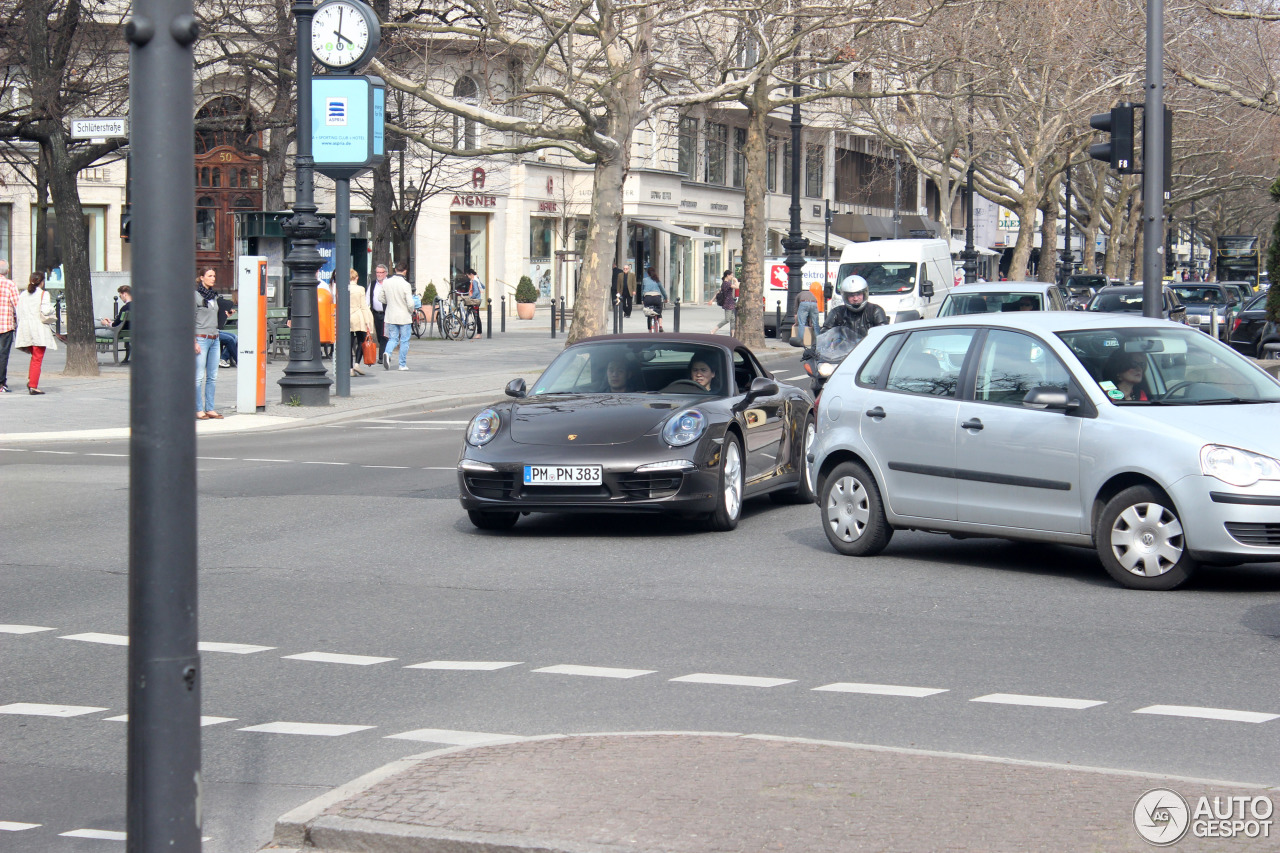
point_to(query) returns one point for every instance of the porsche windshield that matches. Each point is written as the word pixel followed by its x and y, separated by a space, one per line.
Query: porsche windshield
pixel 1168 367
pixel 642 367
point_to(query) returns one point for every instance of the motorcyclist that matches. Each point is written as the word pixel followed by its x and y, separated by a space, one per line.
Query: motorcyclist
pixel 854 310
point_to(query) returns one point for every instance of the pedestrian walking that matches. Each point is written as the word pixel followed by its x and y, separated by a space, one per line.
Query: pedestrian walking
pixel 628 289
pixel 361 322
pixel 397 299
pixel 727 298
pixel 474 298
pixel 207 346
pixel 8 322
pixel 33 336
pixel 377 305
pixel 653 296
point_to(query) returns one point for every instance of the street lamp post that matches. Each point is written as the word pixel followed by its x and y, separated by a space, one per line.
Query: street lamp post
pixel 969 257
pixel 795 243
pixel 1068 256
pixel 305 381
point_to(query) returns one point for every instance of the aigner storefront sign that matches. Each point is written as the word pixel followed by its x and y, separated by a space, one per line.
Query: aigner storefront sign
pixel 474 201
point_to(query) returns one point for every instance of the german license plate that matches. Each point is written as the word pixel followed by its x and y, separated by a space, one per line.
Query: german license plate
pixel 562 475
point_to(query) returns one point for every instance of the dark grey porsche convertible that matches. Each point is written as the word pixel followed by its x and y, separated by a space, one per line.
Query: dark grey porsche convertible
pixel 682 424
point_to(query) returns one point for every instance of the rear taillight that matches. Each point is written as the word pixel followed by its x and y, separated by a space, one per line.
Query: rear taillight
pixel 1236 324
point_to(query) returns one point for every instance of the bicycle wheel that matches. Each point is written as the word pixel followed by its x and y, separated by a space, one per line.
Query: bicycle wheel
pixel 454 325
pixel 471 322
pixel 419 324
pixel 439 320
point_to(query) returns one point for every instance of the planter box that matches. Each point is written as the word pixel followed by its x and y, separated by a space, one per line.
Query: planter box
pixel 524 310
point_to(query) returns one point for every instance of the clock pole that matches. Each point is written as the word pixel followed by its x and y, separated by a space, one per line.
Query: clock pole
pixel 305 381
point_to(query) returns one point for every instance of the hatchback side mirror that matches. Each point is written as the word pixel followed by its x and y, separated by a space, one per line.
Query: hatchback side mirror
pixel 1049 398
pixel 516 388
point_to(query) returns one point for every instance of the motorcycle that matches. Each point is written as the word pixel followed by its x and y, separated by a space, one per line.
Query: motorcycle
pixel 830 348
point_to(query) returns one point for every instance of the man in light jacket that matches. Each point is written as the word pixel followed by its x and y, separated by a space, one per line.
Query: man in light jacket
pixel 397 297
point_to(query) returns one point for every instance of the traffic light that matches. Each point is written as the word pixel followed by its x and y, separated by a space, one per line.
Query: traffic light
pixel 1119 151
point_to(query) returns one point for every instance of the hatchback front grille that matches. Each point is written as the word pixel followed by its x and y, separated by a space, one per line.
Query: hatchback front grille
pixel 1267 535
pixel 490 484
pixel 659 484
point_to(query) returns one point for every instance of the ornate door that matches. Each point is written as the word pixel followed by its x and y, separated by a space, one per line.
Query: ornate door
pixel 228 180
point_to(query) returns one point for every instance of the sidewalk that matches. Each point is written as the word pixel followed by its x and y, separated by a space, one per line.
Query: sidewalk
pixel 441 374
pixel 704 792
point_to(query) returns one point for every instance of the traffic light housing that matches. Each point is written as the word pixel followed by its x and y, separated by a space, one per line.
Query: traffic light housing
pixel 1119 151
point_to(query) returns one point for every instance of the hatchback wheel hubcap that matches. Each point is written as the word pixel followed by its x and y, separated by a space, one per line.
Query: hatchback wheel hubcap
pixel 848 508
pixel 1147 539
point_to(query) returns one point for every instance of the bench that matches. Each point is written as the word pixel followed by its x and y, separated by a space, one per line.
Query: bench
pixel 112 339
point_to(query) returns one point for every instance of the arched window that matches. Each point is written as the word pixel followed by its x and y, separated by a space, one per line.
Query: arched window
pixel 464 130
pixel 223 121
pixel 206 224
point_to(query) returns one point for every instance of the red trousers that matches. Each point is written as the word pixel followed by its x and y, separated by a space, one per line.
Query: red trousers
pixel 33 374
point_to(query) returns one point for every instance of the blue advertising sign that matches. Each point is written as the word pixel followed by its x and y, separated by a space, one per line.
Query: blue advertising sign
pixel 347 119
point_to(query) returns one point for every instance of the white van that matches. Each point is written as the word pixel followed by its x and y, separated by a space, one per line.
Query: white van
pixel 908 279
pixel 776 282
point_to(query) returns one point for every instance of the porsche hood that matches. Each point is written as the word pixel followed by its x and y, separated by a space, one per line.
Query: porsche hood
pixel 591 419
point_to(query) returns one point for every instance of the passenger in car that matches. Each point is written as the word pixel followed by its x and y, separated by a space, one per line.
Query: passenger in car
pixel 1125 372
pixel 620 378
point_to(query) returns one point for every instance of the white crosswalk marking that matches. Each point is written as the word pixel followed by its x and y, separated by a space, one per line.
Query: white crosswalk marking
pixel 326 657
pixel 14 826
pixel 233 648
pixel 733 680
pixel 479 665
pixel 105 639
pixel 880 689
pixel 98 834
pixel 35 709
pixel 204 721
pixel 22 629
pixel 319 729
pixel 454 738
pixel 594 671
pixel 1038 701
pixel 1208 713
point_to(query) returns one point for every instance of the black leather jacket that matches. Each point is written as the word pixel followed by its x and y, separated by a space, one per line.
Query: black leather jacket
pixel 861 322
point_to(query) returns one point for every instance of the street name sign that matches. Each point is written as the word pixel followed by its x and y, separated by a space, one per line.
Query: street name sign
pixel 100 128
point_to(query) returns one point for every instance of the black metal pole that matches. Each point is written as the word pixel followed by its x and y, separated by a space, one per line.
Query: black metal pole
pixel 163 801
pixel 553 318
pixel 341 285
pixel 897 193
pixel 1195 269
pixel 305 381
pixel 826 253
pixel 1153 164
pixel 969 257
pixel 675 316
pixel 488 317
pixel 1068 256
pixel 794 243
pixel 502 304
pixel 1168 249
pixel 561 315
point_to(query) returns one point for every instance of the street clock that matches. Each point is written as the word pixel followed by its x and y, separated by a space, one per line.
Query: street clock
pixel 344 34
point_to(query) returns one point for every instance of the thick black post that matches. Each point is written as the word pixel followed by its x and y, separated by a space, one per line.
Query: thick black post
pixel 502 304
pixel 675 317
pixel 969 257
pixel 163 801
pixel 1153 151
pixel 794 243
pixel 553 318
pixel 562 315
pixel 488 317
pixel 304 382
pixel 777 320
pixel 342 285
pixel 1068 256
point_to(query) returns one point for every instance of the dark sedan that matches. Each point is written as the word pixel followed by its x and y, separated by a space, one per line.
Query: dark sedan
pixel 682 424
pixel 1250 331
pixel 1079 289
pixel 1127 299
pixel 1205 299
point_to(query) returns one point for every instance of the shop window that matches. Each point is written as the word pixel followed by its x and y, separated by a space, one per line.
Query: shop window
pixel 815 155
pixel 464 129
pixel 739 157
pixel 717 145
pixel 688 154
pixel 206 224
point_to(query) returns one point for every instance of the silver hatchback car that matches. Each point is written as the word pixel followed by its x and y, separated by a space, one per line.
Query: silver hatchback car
pixel 1143 439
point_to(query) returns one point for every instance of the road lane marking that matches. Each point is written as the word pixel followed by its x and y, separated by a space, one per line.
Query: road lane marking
pixel 396 421
pixel 204 721
pixel 441 468
pixel 13 449
pixel 314 462
pixel 881 689
pixel 454 738
pixel 14 826
pixel 22 629
pixel 218 458
pixel 1207 713
pixel 232 648
pixel 594 671
pixel 34 709
pixel 112 455
pixel 327 657
pixel 1038 701
pixel 98 834
pixel 733 680
pixel 268 460
pixel 477 665
pixel 105 639
pixel 57 452
pixel 393 467
pixel 318 729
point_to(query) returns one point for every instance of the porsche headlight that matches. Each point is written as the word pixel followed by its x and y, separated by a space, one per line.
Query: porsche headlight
pixel 483 427
pixel 1237 467
pixel 685 428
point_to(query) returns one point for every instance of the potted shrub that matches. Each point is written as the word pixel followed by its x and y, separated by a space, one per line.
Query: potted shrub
pixel 429 297
pixel 526 296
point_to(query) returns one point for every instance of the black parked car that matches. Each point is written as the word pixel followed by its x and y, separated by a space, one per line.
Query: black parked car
pixel 1250 330
pixel 1079 289
pixel 1202 299
pixel 1127 299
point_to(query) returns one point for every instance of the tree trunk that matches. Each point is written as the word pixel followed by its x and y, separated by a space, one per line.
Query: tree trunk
pixel 382 204
pixel 751 299
pixel 589 311
pixel 1049 233
pixel 73 243
pixel 275 166
pixel 1026 239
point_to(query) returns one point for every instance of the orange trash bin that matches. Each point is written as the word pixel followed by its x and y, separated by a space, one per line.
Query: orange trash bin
pixel 327 316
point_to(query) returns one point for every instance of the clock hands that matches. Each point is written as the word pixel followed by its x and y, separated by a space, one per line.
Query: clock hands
pixel 338 31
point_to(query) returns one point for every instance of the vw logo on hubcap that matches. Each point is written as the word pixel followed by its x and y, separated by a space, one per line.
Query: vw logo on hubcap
pixel 1148 539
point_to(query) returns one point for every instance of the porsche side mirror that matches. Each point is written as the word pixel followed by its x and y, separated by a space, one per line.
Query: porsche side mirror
pixel 761 386
pixel 516 388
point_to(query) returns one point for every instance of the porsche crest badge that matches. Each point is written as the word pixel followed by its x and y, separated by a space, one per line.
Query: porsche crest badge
pixel 572 436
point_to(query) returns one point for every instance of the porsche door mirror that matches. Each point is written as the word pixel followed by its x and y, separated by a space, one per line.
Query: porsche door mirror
pixel 516 388
pixel 761 386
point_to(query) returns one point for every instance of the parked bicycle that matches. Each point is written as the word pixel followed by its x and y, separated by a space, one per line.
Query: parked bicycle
pixel 420 323
pixel 453 319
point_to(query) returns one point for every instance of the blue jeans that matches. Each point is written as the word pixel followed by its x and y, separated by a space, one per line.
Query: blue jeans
pixel 229 345
pixel 807 314
pixel 206 373
pixel 398 336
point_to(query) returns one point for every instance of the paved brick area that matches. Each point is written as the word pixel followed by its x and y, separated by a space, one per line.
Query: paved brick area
pixel 704 793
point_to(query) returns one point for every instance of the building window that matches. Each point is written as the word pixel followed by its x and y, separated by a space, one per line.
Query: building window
pixel 6 235
pixel 771 166
pixel 206 224
pixel 222 122
pixel 712 261
pixel 815 155
pixel 739 158
pixel 541 237
pixel 464 129
pixel 786 168
pixel 717 145
pixel 688 146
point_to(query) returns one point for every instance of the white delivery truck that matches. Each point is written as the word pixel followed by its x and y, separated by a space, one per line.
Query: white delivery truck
pixel 908 279
pixel 775 286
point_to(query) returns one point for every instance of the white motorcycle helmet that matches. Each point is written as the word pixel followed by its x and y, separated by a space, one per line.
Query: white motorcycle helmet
pixel 854 285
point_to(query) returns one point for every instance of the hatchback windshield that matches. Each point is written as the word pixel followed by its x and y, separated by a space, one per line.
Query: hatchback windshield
pixel 887 277
pixel 637 368
pixel 1170 367
pixel 1200 294
pixel 1129 301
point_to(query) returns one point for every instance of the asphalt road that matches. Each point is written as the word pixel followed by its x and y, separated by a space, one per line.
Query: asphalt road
pixel 348 541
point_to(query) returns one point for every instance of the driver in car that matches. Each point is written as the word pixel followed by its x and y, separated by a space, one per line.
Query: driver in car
pixel 700 372
pixel 855 312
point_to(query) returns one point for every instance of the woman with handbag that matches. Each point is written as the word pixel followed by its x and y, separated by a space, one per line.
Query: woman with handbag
pixel 361 327
pixel 35 312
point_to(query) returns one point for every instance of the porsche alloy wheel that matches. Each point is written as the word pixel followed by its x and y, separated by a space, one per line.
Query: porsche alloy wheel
pixel 729 503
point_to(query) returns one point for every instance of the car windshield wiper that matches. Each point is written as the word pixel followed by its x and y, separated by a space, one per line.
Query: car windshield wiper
pixel 1232 401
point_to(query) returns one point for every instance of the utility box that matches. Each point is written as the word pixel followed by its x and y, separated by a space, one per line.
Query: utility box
pixel 251 314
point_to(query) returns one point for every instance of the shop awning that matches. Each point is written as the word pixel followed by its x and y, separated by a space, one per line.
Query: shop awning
pixel 957 246
pixel 835 241
pixel 674 229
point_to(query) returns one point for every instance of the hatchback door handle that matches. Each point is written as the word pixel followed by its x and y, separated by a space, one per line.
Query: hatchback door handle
pixel 877 413
pixel 972 423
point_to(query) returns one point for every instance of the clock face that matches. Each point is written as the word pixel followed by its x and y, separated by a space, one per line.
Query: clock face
pixel 340 34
